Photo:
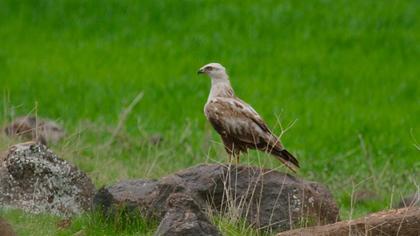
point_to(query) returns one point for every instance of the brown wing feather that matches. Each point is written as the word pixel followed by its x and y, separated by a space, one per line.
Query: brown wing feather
pixel 240 125
pixel 252 114
pixel 235 118
pixel 228 119
pixel 269 138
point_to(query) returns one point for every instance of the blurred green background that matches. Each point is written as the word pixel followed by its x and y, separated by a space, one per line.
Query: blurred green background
pixel 347 72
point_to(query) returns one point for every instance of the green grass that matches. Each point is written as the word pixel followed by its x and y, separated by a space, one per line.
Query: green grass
pixel 87 224
pixel 346 71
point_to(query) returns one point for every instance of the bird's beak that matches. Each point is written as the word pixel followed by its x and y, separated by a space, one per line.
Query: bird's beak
pixel 200 71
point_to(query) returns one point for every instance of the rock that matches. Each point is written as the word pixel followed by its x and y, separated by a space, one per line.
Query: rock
pixel 412 200
pixel 5 228
pixel 34 179
pixel 156 139
pixel 365 195
pixel 135 196
pixel 265 198
pixel 185 218
pixel 404 221
pixel 30 128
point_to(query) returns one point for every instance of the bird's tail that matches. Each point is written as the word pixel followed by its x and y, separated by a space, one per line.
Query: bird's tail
pixel 286 158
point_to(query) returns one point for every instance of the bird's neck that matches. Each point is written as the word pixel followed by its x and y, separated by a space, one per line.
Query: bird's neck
pixel 220 87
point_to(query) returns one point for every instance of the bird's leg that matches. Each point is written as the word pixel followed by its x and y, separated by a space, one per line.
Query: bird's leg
pixel 230 152
pixel 230 158
pixel 236 154
pixel 237 158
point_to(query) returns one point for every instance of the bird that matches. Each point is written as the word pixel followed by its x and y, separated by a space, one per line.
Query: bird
pixel 238 124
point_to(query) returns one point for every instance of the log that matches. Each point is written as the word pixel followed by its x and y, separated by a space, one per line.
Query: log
pixel 403 221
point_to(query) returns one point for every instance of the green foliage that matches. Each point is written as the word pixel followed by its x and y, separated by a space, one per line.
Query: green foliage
pixel 238 228
pixel 346 71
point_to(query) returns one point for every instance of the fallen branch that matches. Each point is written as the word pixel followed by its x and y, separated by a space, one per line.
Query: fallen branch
pixel 404 221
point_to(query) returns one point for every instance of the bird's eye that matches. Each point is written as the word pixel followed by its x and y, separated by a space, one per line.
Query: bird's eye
pixel 209 68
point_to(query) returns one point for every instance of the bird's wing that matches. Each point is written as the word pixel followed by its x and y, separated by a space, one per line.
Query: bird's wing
pixel 233 117
pixel 252 114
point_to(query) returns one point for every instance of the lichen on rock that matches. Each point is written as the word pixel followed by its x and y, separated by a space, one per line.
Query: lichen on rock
pixel 36 180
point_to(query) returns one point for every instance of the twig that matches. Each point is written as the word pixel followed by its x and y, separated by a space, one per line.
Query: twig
pixel 284 130
pixel 367 155
pixel 416 144
pixel 123 117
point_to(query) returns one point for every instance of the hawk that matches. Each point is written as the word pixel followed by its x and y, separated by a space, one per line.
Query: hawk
pixel 239 125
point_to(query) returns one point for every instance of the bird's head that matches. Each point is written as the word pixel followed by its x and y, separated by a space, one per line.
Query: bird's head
pixel 214 71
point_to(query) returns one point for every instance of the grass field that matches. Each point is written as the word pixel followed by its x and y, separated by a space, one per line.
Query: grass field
pixel 346 74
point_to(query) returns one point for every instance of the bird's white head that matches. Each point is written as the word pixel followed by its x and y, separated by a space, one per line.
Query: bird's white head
pixel 214 70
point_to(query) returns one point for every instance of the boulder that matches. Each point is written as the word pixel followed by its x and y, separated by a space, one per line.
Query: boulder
pixel 130 196
pixel 404 221
pixel 31 128
pixel 365 195
pixel 34 179
pixel 156 139
pixel 410 200
pixel 185 218
pixel 265 198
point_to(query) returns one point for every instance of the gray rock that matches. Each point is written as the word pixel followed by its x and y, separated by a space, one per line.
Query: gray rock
pixel 31 128
pixel 411 200
pixel 134 196
pixel 156 139
pixel 185 218
pixel 34 179
pixel 267 199
pixel 365 195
